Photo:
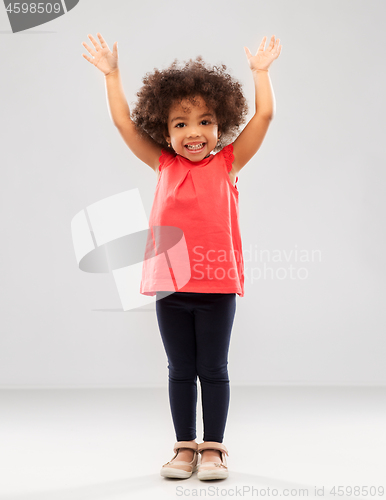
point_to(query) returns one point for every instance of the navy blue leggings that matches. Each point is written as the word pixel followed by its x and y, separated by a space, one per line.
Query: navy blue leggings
pixel 196 330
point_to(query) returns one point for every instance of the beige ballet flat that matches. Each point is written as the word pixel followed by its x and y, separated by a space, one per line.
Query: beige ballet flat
pixel 179 468
pixel 213 470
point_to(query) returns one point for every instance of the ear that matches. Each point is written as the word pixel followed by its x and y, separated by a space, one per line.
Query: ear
pixel 166 136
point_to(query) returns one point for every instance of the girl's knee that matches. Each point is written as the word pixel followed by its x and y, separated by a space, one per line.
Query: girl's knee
pixel 217 373
pixel 182 373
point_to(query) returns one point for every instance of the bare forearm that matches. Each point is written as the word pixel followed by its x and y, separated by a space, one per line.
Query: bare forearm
pixel 264 96
pixel 119 109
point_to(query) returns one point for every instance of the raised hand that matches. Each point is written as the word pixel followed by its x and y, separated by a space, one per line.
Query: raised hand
pixel 263 58
pixel 103 58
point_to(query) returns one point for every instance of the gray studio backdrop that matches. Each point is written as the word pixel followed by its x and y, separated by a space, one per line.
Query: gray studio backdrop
pixel 311 200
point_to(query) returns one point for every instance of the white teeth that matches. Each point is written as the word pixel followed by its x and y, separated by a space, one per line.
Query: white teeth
pixel 197 146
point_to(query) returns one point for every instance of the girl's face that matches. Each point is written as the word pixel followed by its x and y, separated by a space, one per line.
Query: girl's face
pixel 190 124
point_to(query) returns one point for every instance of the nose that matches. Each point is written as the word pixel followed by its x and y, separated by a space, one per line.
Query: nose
pixel 192 132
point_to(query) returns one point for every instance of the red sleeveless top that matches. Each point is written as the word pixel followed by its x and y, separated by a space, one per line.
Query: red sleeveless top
pixel 194 243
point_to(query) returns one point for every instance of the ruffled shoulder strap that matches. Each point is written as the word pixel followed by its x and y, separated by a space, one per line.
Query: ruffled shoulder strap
pixel 165 158
pixel 227 152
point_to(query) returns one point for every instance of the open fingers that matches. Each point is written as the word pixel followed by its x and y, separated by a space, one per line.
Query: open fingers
pixel 276 47
pixel 89 59
pixel 92 51
pixel 271 43
pixel 103 42
pixel 248 52
pixel 262 45
pixel 94 42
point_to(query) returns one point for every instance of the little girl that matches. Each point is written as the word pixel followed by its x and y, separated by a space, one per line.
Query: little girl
pixel 182 115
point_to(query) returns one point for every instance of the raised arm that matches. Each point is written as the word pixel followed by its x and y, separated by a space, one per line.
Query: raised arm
pixel 142 145
pixel 249 141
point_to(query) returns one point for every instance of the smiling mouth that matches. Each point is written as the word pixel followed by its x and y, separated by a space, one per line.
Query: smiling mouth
pixel 195 147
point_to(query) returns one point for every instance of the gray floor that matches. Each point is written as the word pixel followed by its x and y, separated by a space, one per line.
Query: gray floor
pixel 110 444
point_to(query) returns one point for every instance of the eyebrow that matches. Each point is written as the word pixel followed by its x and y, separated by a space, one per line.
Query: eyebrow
pixel 183 117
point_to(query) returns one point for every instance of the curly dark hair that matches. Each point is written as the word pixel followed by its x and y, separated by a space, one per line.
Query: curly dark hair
pixel 162 89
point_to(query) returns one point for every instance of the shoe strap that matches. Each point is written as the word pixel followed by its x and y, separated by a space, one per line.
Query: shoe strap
pixel 184 444
pixel 210 465
pixel 212 445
